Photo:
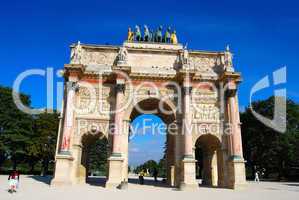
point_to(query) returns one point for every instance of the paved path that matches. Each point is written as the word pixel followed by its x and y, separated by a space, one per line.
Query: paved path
pixel 37 188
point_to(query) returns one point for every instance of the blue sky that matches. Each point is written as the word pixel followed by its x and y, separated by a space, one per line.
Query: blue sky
pixel 263 35
pixel 148 142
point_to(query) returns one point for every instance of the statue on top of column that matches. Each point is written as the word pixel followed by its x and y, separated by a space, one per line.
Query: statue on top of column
pixel 228 60
pixel 185 55
pixel 122 56
pixel 76 54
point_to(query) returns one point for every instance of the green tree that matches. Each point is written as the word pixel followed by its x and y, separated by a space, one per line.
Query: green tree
pixel 150 165
pixel 43 144
pixel 264 148
pixel 15 127
pixel 97 156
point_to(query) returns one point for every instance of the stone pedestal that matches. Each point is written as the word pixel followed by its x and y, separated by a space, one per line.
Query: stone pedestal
pixel 188 170
pixel 237 178
pixel 62 170
pixel 115 172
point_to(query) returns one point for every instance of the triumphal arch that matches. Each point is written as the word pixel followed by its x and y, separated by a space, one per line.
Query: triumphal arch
pixel 192 91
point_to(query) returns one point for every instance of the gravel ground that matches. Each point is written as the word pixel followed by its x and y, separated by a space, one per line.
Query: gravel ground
pixel 35 187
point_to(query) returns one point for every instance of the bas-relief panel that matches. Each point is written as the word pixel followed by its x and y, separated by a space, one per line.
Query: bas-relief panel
pixel 93 102
pixel 205 106
pixel 90 57
pixel 205 64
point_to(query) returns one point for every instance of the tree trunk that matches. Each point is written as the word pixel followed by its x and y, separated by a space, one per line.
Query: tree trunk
pixel 45 166
pixel 15 164
pixel 32 165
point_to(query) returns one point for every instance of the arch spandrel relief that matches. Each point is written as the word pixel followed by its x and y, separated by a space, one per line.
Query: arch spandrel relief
pixel 97 104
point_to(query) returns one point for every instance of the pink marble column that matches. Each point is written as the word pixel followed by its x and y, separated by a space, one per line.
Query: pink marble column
pixel 68 116
pixel 118 120
pixel 236 138
pixel 187 123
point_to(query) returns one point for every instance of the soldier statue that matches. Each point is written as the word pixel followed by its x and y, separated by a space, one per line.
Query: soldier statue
pixel 167 35
pixel 122 55
pixel 76 54
pixel 137 34
pixel 146 34
pixel 228 60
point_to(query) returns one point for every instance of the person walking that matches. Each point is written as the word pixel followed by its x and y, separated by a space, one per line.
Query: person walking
pixel 256 177
pixel 13 181
pixel 155 174
pixel 141 177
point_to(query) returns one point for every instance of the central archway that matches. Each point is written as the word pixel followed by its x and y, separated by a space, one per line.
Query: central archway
pixel 164 110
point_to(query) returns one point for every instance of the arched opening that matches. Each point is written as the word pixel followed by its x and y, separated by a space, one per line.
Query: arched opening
pixel 151 144
pixel 94 156
pixel 209 167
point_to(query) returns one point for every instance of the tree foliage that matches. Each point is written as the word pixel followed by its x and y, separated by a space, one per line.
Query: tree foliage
pixel 24 138
pixel 97 156
pixel 274 153
pixel 15 127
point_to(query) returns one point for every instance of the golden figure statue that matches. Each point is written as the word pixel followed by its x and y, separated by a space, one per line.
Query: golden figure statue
pixel 173 38
pixel 130 35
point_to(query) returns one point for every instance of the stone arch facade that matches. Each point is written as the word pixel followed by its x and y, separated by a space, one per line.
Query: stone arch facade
pixel 197 88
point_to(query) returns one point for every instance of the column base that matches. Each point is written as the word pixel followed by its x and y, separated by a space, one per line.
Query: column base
pixel 188 172
pixel 237 176
pixel 62 170
pixel 115 172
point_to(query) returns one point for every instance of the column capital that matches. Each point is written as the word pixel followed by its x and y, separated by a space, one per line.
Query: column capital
pixel 72 85
pixel 231 88
pixel 231 93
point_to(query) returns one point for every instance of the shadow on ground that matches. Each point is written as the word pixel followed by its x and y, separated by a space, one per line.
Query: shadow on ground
pixel 42 179
pixel 96 181
pixel 149 182
pixel 292 184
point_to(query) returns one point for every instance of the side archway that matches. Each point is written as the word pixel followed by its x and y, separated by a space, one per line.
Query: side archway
pixel 209 167
pixel 93 163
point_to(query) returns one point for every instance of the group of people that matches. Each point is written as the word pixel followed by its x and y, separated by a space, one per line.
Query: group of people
pixel 13 181
pixel 142 173
pixel 151 36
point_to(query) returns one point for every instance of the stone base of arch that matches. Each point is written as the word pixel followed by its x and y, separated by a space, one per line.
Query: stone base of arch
pixel 188 174
pixel 63 168
pixel 115 172
pixel 237 178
